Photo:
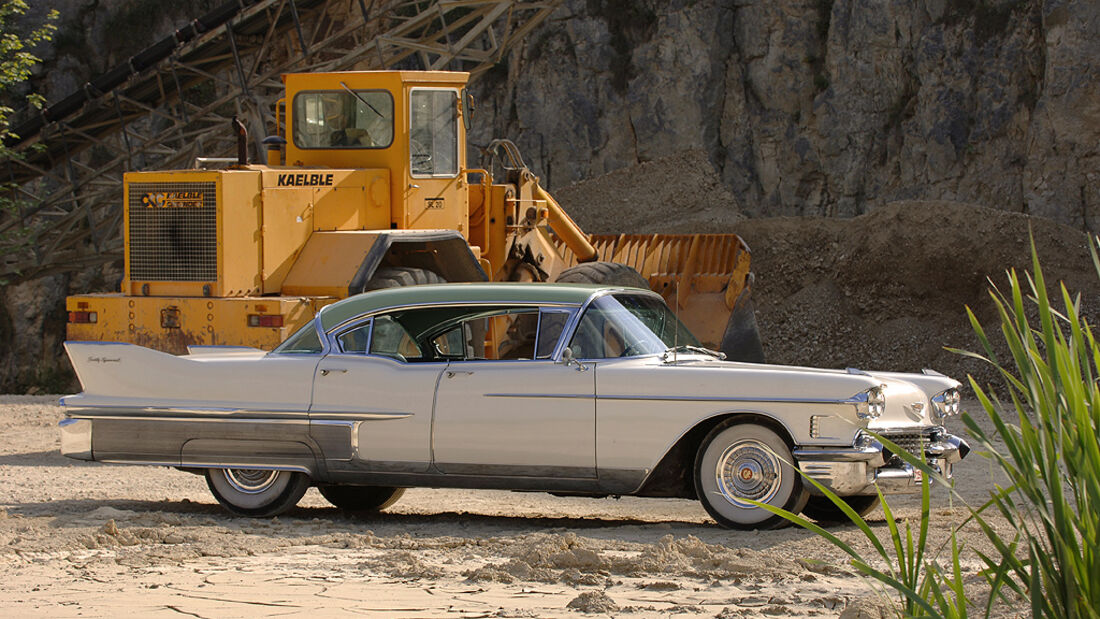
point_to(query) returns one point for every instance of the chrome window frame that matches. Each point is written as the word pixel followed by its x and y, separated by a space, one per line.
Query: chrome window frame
pixel 351 327
pixel 331 345
pixel 538 329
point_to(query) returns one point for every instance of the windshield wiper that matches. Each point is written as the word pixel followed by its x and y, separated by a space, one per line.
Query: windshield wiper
pixel 362 100
pixel 687 348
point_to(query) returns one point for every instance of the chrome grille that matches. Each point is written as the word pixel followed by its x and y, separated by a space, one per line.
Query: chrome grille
pixel 173 232
pixel 912 442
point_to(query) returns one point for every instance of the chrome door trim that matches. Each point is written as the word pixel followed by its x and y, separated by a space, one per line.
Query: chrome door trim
pixel 326 418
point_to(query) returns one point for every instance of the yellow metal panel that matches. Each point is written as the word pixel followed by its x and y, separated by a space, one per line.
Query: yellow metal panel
pixel 288 222
pixel 350 204
pixel 328 263
pixel 138 320
pixel 239 257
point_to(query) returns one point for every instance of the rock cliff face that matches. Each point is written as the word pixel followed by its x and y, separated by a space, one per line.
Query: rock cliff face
pixel 819 107
pixel 802 107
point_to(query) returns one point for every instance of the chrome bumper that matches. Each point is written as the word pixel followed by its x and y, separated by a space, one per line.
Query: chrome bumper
pixel 858 469
pixel 76 438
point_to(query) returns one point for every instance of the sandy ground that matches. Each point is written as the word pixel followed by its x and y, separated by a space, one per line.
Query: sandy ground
pixel 94 540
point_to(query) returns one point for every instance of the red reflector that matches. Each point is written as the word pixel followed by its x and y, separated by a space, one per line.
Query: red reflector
pixel 82 317
pixel 265 320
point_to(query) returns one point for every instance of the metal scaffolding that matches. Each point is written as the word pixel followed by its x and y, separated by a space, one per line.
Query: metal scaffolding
pixel 173 102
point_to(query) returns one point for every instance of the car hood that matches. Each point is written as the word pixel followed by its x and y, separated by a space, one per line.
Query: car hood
pixel 908 395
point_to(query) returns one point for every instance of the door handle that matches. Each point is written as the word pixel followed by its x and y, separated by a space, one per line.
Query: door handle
pixel 453 373
pixel 327 371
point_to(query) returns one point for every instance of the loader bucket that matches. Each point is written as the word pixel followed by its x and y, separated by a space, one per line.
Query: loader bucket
pixel 704 278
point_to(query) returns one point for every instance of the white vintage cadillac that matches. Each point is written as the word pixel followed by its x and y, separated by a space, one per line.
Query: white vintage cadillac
pixel 569 389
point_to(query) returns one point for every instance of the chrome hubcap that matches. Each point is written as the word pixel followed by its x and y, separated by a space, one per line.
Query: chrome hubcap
pixel 250 481
pixel 748 470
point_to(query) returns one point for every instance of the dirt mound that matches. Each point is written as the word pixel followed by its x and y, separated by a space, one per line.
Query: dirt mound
pixel 673 194
pixel 886 290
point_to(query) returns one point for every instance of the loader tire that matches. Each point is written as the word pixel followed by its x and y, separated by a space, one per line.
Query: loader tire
pixel 608 273
pixel 396 277
pixel 521 336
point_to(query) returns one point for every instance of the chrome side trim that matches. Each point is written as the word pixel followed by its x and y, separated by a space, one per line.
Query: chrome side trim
pixel 554 396
pixel 675 398
pixel 197 411
pixel 337 418
pixel 183 418
pixel 76 438
pixel 140 462
pixel 227 465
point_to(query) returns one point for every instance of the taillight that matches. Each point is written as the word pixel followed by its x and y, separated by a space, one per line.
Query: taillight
pixel 265 320
pixel 83 317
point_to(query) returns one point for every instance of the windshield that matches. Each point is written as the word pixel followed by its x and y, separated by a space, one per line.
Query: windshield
pixel 343 119
pixel 628 325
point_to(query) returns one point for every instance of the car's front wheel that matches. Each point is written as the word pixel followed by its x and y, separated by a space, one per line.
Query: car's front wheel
pixel 361 499
pixel 739 461
pixel 257 493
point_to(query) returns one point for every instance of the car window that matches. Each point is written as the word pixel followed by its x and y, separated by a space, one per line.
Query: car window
pixel 551 324
pixel 355 341
pixel 625 326
pixel 453 344
pixel 390 339
pixel 304 341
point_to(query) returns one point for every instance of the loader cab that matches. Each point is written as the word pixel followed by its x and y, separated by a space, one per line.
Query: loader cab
pixel 408 123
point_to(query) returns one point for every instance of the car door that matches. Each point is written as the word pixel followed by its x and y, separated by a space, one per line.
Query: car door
pixel 517 417
pixel 373 391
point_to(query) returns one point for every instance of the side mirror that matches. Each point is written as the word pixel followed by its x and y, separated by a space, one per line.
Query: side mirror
pixel 567 359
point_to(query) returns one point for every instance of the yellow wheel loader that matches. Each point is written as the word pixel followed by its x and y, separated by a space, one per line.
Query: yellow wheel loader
pixel 366 186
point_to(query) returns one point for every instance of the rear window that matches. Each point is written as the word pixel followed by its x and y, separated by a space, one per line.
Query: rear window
pixel 305 341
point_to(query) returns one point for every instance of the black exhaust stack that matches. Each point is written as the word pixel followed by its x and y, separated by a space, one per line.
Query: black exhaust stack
pixel 242 141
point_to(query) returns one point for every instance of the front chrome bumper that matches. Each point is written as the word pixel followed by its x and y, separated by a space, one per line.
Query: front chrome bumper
pixel 858 469
pixel 76 438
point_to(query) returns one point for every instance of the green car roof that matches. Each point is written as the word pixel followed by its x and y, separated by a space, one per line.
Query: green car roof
pixel 504 293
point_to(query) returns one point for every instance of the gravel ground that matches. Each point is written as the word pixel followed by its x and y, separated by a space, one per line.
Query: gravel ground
pixel 90 539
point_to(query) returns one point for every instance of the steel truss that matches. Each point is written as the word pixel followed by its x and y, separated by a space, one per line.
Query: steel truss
pixel 66 182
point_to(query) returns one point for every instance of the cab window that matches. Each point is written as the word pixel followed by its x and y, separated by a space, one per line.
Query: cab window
pixel 343 119
pixel 433 138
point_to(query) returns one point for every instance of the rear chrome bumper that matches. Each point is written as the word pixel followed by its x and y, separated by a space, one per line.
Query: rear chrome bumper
pixel 858 469
pixel 76 438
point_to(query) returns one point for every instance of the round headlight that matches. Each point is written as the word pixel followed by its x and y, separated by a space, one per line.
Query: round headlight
pixel 870 404
pixel 946 403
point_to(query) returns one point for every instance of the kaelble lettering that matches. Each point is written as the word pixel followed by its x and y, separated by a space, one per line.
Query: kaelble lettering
pixel 305 180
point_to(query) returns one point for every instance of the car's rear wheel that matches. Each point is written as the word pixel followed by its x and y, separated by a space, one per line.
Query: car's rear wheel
pixel 825 511
pixel 257 493
pixel 361 499
pixel 739 461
